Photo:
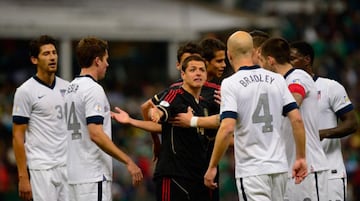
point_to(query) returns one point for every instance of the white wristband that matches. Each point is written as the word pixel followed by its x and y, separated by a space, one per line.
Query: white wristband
pixel 193 121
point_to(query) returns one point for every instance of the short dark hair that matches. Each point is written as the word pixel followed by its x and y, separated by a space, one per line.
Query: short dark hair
pixel 278 48
pixel 191 58
pixel 259 37
pixel 210 46
pixel 88 49
pixel 35 44
pixel 189 47
pixel 304 48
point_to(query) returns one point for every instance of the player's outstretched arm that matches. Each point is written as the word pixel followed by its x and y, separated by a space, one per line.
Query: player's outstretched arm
pixel 345 127
pixel 299 171
pixel 100 138
pixel 123 117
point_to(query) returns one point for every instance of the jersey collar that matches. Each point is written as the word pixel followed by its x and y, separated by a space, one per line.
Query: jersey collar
pixel 288 73
pixel 87 75
pixel 249 67
pixel 43 83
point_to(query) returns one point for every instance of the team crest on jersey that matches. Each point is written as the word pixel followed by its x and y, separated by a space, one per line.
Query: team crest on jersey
pixel 319 95
pixel 62 92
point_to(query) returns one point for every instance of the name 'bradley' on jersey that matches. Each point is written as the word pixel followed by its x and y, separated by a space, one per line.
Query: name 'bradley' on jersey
pixel 256 78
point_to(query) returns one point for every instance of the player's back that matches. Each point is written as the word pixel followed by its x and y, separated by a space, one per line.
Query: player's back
pixel 258 96
pixel 86 102
pixel 315 156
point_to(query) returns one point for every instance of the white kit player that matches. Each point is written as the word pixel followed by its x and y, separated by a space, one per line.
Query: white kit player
pixel 90 148
pixel 334 104
pixel 39 138
pixel 253 103
pixel 275 55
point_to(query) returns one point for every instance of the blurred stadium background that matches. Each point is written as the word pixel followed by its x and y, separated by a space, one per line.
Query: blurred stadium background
pixel 143 36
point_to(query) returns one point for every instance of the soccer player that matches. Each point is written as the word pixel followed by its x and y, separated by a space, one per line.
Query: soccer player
pixel 275 55
pixel 185 50
pixel 90 148
pixel 39 138
pixel 334 104
pixel 259 37
pixel 252 105
pixel 183 155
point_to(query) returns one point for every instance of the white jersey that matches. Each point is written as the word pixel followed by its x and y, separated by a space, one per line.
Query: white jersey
pixel 333 102
pixel 257 98
pixel 315 155
pixel 42 108
pixel 86 102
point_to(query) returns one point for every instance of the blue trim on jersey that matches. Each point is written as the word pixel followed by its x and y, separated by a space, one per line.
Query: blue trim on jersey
pixel 287 108
pixel 315 77
pixel 344 110
pixel 87 75
pixel 95 120
pixel 288 73
pixel 43 83
pixel 20 120
pixel 249 67
pixel 228 114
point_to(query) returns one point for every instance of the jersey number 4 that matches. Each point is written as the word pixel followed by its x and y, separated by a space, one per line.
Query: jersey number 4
pixel 265 117
pixel 72 122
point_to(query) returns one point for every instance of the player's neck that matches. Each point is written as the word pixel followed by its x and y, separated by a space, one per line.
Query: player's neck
pixel 283 68
pixel 89 71
pixel 193 91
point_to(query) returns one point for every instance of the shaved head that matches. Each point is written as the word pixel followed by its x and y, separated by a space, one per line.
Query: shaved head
pixel 240 47
pixel 240 43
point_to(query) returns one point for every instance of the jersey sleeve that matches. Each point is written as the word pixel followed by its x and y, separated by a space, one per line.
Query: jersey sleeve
pixel 339 99
pixel 95 105
pixel 21 107
pixel 289 102
pixel 228 108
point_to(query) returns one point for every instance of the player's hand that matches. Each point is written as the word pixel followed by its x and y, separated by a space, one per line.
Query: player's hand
pixel 183 119
pixel 25 192
pixel 135 173
pixel 209 178
pixel 120 116
pixel 217 96
pixel 299 171
pixel 154 114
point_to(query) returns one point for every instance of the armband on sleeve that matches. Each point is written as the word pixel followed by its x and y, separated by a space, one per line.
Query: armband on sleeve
pixel 297 88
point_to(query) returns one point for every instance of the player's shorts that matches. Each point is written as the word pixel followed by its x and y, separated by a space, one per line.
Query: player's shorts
pixel 262 187
pixel 337 189
pixel 49 184
pixel 313 188
pixel 97 191
pixel 178 189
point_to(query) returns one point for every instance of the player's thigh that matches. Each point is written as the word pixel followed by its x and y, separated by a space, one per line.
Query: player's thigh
pixel 337 189
pixel 90 191
pixel 41 185
pixel 312 188
pixel 261 187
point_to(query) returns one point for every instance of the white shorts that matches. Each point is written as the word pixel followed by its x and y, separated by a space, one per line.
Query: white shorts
pixel 97 191
pixel 49 184
pixel 262 187
pixel 337 189
pixel 314 187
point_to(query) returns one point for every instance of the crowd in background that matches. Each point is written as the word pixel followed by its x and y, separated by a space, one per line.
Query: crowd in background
pixel 335 36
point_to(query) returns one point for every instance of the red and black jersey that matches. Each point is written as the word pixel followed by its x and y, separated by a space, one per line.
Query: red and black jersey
pixel 183 152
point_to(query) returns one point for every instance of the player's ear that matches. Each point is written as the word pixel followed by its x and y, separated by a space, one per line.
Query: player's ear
pixel 34 60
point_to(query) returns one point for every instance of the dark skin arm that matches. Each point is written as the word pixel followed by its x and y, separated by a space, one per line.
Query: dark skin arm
pixel 347 126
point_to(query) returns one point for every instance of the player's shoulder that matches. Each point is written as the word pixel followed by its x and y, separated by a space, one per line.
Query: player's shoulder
pixel 28 85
